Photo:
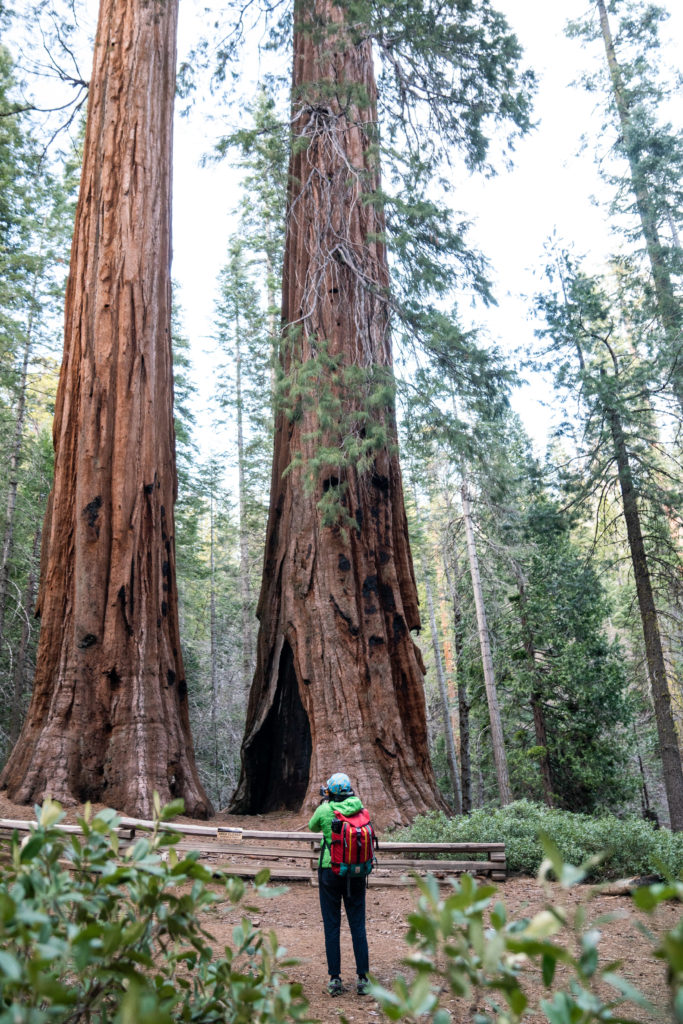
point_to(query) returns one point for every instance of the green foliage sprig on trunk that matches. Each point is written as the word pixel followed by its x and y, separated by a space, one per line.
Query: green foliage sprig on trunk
pixel 350 402
pixel 450 76
pixel 93 930
pixel 634 846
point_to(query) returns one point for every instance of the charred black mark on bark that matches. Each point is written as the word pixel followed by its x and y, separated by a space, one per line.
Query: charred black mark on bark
pixel 306 682
pixel 375 641
pixel 114 678
pixel 359 518
pixel 331 481
pixel 308 552
pixel 344 564
pixel 91 513
pixel 353 630
pixel 165 569
pixel 124 611
pixel 370 585
pixel 374 512
pixel 380 481
pixel 399 626
pixel 149 488
pixel 87 641
pixel 131 589
pixel 384 750
pixel 386 596
pixel 164 608
pixel 170 677
pixel 384 557
pixel 182 690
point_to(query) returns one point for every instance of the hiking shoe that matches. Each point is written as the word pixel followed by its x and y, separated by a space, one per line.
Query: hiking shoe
pixel 362 986
pixel 334 987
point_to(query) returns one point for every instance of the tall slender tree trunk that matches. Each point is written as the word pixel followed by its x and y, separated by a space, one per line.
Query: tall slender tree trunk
pixel 15 459
pixel 666 732
pixel 451 756
pixel 213 634
pixel 536 695
pixel 245 582
pixel 108 719
pixel 668 306
pixel 497 739
pixel 19 681
pixel 463 702
pixel 339 680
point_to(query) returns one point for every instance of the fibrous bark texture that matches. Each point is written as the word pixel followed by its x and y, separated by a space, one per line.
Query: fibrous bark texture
pixel 339 680
pixel 108 719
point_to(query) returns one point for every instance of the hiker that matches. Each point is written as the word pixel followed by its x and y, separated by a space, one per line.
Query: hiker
pixel 338 795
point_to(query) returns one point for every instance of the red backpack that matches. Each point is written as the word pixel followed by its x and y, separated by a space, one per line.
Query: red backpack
pixel 353 844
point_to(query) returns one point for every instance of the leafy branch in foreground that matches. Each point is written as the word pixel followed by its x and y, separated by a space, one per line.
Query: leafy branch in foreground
pixel 464 943
pixel 92 931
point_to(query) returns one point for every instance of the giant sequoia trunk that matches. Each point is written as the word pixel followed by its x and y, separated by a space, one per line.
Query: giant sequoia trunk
pixel 109 719
pixel 338 683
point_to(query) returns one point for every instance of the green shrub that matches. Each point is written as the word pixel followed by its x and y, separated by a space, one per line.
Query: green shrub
pixel 91 932
pixel 631 846
pixel 463 943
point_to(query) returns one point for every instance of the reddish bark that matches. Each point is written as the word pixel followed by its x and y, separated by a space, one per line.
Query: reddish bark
pixel 338 684
pixel 108 720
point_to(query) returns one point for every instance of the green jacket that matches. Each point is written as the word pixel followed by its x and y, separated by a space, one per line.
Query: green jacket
pixel 322 822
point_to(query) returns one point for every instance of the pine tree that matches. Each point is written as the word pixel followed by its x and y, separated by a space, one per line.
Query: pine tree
pixel 565 670
pixel 242 389
pixel 620 449
pixel 650 192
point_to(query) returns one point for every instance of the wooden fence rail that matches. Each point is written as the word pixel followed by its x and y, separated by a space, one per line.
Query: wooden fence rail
pixel 294 855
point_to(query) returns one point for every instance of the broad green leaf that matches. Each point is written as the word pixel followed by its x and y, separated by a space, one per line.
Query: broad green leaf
pixel 548 965
pixel 50 813
pixel 10 966
pixel 628 990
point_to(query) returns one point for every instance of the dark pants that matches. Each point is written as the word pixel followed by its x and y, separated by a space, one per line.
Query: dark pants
pixel 333 890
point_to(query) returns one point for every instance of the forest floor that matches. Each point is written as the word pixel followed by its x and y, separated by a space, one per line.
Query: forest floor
pixel 295 917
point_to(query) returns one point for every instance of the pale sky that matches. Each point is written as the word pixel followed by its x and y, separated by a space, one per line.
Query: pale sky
pixel 549 190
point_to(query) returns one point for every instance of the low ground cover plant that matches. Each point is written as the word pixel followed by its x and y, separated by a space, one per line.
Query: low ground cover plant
pixel 630 846
pixel 95 931
pixel 462 942
pixel 91 931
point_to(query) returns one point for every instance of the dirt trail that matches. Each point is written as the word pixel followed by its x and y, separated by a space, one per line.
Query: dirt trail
pixel 295 917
